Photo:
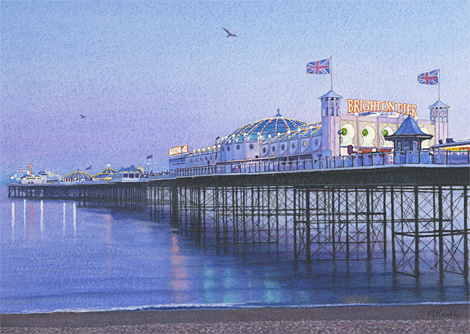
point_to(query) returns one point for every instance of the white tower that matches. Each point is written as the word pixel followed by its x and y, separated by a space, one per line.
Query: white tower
pixel 439 113
pixel 331 123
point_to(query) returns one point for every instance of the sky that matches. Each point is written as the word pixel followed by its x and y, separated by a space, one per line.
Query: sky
pixel 151 75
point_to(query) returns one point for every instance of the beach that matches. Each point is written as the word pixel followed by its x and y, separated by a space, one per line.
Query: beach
pixel 431 318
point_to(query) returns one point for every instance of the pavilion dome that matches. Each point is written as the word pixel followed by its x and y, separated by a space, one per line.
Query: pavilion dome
pixel 76 176
pixel 265 127
pixel 105 173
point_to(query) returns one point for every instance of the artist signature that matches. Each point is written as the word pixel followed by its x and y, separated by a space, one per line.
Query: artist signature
pixel 440 313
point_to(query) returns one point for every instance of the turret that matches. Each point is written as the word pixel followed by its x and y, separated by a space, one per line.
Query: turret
pixel 331 123
pixel 438 114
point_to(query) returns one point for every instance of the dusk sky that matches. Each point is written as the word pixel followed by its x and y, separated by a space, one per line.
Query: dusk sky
pixel 151 75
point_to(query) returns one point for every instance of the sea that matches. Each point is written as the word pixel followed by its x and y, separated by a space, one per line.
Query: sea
pixel 57 256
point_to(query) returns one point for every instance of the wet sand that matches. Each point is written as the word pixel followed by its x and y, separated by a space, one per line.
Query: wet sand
pixel 355 319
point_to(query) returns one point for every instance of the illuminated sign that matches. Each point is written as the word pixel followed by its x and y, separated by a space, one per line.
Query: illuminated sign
pixel 358 106
pixel 178 150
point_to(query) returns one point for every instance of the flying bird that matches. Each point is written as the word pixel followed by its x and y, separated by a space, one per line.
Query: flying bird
pixel 229 33
pixel 82 116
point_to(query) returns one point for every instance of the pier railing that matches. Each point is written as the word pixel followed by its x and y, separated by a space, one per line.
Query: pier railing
pixel 429 157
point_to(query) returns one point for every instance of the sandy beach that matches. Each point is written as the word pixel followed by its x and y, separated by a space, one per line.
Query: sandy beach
pixel 355 319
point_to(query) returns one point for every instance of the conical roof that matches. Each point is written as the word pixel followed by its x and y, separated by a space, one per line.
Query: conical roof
pixel 330 94
pixel 438 104
pixel 76 176
pixel 105 173
pixel 409 128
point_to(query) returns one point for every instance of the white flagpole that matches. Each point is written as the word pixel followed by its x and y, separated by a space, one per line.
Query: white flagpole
pixel 439 84
pixel 331 71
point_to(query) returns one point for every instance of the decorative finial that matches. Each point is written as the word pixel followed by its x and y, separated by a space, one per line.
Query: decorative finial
pixel 278 113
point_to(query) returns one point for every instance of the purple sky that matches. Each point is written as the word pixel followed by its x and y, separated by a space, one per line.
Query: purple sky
pixel 150 75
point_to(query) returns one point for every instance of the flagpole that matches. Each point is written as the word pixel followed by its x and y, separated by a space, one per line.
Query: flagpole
pixel 439 84
pixel 331 71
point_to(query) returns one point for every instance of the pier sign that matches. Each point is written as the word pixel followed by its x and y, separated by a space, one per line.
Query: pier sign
pixel 178 150
pixel 358 106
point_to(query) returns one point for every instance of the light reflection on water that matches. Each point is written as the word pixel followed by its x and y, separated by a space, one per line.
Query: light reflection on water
pixel 103 259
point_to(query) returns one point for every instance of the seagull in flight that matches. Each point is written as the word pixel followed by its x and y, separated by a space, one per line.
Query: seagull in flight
pixel 82 116
pixel 229 33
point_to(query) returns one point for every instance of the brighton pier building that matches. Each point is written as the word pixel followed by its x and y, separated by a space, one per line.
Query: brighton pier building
pixel 362 129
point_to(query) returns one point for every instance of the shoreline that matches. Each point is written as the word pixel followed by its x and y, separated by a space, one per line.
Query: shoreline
pixel 377 313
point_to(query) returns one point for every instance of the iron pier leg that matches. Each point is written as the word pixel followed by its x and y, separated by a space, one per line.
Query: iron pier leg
pixel 465 232
pixel 392 208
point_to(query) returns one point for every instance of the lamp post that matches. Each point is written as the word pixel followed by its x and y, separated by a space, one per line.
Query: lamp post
pixel 340 132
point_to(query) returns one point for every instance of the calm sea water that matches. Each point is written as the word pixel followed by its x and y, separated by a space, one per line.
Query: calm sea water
pixel 56 256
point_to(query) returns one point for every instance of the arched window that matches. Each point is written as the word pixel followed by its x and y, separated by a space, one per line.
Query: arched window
pixel 415 145
pixel 406 145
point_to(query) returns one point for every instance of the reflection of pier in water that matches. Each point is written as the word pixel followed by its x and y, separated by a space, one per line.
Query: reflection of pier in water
pixel 415 217
pixel 425 226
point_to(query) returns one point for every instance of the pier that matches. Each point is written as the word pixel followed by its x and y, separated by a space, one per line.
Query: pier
pixel 418 213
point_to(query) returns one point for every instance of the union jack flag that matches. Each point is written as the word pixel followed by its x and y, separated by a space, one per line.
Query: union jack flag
pixel 429 78
pixel 319 67
pixel 150 156
pixel 88 168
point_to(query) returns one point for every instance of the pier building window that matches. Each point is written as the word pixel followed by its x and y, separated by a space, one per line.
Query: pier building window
pixel 274 148
pixel 304 143
pixel 131 176
pixel 125 175
pixel 251 146
pixel 293 145
pixel 283 147
pixel 238 147
pixel 406 145
pixel 264 149
pixel 228 148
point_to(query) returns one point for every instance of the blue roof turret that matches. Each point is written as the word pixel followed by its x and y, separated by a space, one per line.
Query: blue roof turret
pixel 438 104
pixel 331 94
